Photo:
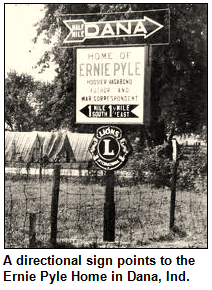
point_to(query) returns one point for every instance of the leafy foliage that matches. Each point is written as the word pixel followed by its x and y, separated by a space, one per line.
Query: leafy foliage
pixel 153 167
pixel 27 105
pixel 18 112
pixel 41 100
pixel 182 66
pixel 192 173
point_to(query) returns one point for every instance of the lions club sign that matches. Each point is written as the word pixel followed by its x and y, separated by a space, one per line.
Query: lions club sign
pixel 109 148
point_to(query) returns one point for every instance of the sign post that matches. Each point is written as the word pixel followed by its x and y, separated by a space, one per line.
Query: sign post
pixel 109 208
pixel 110 151
pixel 113 85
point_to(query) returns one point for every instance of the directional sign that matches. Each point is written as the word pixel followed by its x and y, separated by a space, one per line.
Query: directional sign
pixel 109 111
pixel 110 85
pixel 80 30
pixel 145 26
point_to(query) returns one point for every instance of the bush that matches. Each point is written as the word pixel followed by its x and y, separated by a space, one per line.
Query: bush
pixel 192 170
pixel 155 166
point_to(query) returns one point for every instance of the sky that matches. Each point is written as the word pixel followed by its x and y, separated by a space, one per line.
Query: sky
pixel 21 54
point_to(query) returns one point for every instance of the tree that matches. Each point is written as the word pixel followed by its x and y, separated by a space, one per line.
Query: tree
pixel 179 70
pixel 18 112
pixel 62 109
pixel 27 103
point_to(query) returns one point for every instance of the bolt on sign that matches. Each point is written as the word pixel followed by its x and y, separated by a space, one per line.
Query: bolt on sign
pixel 109 148
pixel 110 85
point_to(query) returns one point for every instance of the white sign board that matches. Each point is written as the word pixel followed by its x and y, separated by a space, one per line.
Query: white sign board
pixel 110 85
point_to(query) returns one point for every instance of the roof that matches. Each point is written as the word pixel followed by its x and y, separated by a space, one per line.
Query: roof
pixel 57 145
pixel 42 136
pixel 69 147
pixel 6 127
pixel 80 143
pixel 20 144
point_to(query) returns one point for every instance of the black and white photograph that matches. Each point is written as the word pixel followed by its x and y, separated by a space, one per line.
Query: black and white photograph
pixel 105 127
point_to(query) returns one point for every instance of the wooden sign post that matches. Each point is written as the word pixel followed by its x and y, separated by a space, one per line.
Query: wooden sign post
pixel 173 186
pixel 109 209
pixel 110 151
pixel 113 85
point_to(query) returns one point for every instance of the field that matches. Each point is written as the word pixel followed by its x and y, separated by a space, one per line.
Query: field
pixel 142 215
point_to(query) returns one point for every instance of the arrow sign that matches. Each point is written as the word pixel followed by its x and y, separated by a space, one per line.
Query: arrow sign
pixel 77 30
pixel 109 111
pixel 81 30
pixel 150 26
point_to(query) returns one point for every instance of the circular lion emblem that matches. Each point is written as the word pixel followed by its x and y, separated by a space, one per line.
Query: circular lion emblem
pixel 109 148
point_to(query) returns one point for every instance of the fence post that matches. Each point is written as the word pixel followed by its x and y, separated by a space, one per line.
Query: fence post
pixel 32 231
pixel 54 205
pixel 11 209
pixel 173 185
pixel 41 165
pixel 109 209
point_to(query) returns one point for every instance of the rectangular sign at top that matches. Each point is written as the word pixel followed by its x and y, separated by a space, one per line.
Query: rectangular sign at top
pixel 146 27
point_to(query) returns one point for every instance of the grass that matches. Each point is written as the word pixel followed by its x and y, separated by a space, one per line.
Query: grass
pixel 142 216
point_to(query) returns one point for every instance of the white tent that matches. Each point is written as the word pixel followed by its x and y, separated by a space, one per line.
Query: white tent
pixel 56 146
pixel 80 143
pixel 30 146
pixel 21 146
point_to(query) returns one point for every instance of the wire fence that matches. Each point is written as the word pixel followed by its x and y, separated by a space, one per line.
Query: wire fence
pixel 142 210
